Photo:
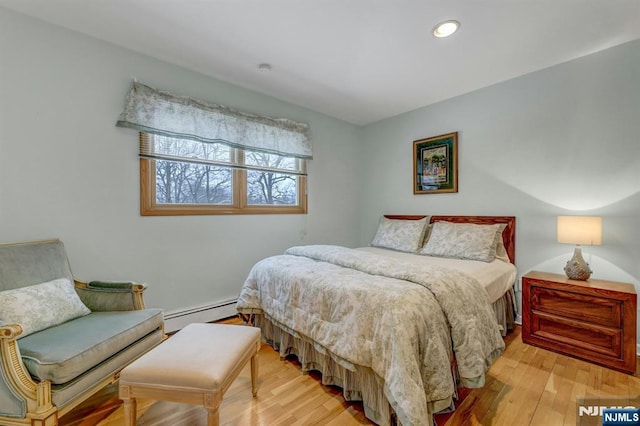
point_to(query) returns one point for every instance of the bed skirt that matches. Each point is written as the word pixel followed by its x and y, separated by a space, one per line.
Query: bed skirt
pixel 359 383
pixel 505 310
pixel 362 385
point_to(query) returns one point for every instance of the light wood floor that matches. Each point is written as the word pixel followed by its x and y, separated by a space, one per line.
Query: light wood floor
pixel 525 386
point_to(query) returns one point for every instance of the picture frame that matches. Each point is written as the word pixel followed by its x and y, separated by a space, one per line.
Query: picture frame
pixel 435 164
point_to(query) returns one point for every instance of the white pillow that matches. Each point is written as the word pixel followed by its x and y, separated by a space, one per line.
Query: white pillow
pixel 41 306
pixel 463 241
pixel 400 234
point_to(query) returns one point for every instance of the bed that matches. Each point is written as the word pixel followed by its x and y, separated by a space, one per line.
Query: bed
pixel 398 325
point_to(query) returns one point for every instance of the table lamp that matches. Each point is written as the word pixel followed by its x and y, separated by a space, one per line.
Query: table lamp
pixel 579 230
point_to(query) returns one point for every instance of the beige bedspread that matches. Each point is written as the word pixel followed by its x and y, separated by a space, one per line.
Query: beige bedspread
pixel 375 312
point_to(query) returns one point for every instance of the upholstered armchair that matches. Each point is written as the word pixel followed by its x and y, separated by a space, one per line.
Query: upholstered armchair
pixel 61 340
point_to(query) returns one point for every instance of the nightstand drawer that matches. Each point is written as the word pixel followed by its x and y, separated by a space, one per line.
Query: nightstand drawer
pixel 590 338
pixel 593 309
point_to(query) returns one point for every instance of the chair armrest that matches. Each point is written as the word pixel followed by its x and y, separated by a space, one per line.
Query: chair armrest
pixel 101 296
pixel 19 391
pixel 10 331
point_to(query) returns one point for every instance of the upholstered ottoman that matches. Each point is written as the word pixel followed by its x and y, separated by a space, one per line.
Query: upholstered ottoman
pixel 194 366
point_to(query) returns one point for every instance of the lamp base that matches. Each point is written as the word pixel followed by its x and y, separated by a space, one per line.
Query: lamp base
pixel 577 268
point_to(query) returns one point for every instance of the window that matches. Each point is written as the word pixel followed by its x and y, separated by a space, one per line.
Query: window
pixel 187 177
pixel 203 158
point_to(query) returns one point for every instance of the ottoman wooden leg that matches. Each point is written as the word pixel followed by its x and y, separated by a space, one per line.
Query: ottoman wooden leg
pixel 213 419
pixel 130 408
pixel 254 374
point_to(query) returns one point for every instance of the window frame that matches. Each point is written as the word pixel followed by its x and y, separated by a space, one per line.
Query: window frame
pixel 239 205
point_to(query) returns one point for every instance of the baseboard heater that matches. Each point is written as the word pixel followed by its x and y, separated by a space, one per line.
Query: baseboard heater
pixel 176 320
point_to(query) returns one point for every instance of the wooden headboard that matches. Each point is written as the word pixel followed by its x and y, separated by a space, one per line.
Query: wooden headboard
pixel 508 235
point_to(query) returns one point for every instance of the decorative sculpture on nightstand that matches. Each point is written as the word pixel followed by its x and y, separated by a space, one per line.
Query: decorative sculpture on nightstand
pixel 579 230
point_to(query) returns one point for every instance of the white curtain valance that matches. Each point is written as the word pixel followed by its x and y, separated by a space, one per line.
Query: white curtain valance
pixel 153 111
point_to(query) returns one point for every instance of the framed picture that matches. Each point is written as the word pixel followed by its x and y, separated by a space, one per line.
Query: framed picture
pixel 435 164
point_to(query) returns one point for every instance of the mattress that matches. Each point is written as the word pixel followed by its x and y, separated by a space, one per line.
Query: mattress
pixel 495 277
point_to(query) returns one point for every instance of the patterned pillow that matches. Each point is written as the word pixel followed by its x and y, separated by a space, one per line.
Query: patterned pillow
pixel 463 241
pixel 41 306
pixel 399 234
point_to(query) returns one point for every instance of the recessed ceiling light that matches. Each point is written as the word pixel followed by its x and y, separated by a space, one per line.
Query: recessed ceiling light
pixel 446 28
pixel 264 67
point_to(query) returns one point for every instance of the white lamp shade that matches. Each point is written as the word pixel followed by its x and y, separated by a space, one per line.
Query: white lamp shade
pixel 582 230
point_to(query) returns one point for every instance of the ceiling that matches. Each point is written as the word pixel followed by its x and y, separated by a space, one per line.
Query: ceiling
pixel 357 60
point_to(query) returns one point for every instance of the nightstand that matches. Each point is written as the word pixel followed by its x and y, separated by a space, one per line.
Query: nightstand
pixel 592 320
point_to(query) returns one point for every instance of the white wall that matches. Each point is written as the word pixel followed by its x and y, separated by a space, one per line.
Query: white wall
pixel 66 171
pixel 561 141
